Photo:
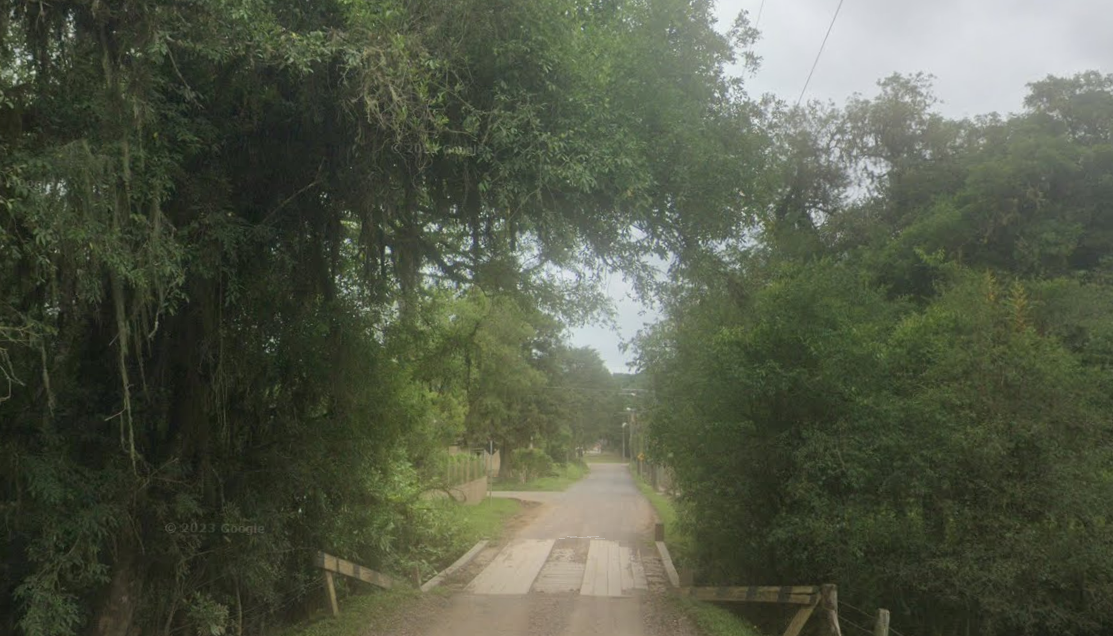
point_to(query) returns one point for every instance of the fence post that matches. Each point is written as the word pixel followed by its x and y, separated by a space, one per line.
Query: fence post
pixel 829 593
pixel 659 532
pixel 330 591
pixel 882 626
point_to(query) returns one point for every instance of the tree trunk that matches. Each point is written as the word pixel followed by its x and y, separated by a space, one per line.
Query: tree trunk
pixel 117 610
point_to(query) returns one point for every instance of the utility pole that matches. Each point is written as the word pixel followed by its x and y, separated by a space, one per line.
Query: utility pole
pixel 624 440
pixel 632 420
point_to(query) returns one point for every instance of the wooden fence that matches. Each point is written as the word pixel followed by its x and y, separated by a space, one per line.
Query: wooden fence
pixel 658 476
pixel 809 598
pixel 462 468
pixel 335 565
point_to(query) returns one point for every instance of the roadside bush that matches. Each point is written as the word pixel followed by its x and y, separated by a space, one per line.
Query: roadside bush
pixel 560 446
pixel 842 432
pixel 531 463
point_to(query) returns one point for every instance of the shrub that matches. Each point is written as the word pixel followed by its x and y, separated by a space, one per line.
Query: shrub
pixel 531 463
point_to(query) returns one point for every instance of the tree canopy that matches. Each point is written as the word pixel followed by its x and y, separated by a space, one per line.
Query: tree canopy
pixel 262 260
pixel 259 258
pixel 901 380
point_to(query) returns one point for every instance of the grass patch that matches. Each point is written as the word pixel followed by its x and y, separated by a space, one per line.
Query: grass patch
pixel 359 613
pixel 604 458
pixel 680 544
pixel 713 620
pixel 566 475
pixel 487 519
pixel 375 610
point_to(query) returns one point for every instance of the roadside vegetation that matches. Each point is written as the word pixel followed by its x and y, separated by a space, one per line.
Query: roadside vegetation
pixel 904 383
pixel 365 608
pixel 604 458
pixel 263 261
pixel 535 470
pixel 563 476
pixel 487 519
pixel 362 612
pixel 677 537
pixel 711 619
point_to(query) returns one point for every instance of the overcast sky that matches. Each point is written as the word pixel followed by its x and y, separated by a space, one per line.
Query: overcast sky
pixel 982 53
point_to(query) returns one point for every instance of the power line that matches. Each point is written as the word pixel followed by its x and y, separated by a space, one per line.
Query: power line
pixel 843 603
pixel 819 53
pixel 846 621
pixel 759 11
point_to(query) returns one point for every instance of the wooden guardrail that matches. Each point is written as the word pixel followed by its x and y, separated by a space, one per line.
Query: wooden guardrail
pixel 335 565
pixel 793 595
pixel 809 596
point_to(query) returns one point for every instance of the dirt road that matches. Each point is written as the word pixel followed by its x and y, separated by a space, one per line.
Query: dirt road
pixel 584 565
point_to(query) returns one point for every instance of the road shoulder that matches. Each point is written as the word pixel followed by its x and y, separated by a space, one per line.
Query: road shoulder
pixel 708 618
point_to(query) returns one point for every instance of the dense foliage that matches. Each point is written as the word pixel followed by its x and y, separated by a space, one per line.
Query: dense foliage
pixel 903 381
pixel 261 259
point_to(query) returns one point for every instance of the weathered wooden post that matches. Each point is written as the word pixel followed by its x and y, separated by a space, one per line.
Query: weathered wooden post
pixel 799 619
pixel 417 577
pixel 882 626
pixel 333 565
pixel 330 591
pixel 687 577
pixel 659 532
pixel 829 593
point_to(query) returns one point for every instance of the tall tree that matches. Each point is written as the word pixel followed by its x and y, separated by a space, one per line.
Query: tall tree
pixel 909 394
pixel 214 216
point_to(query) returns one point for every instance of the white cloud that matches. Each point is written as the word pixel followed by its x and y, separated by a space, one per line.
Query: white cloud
pixel 982 52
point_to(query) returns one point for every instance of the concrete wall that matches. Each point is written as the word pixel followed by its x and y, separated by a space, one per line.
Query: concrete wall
pixel 472 492
pixel 469 493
